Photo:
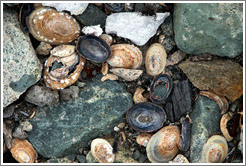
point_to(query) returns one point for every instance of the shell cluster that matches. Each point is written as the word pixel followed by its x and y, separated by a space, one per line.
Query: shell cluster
pixel 49 25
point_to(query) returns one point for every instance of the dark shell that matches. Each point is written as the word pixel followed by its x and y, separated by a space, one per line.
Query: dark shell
pixel 25 11
pixel 160 88
pixel 146 117
pixel 114 7
pixel 93 48
pixel 186 134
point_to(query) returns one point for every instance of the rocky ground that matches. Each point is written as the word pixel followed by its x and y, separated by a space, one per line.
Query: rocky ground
pixel 204 52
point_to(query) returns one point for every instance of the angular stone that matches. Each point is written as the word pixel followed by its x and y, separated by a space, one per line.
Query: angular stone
pixel 68 126
pixel 21 67
pixel 133 26
pixel 215 28
pixel 205 119
pixel 222 76
pixel 73 8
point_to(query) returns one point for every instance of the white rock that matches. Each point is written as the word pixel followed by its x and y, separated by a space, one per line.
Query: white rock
pixel 133 26
pixel 95 30
pixel 73 8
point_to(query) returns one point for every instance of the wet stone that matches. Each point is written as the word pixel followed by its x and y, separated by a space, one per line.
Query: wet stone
pixel 81 158
pixel 72 124
pixel 8 111
pixel 222 76
pixel 136 154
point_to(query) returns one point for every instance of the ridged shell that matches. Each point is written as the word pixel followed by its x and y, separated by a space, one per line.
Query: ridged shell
pixel 63 50
pixel 51 26
pixel 223 123
pixel 214 150
pixel 127 74
pixel 23 151
pixel 143 139
pixel 164 145
pixel 155 60
pixel 138 97
pixel 102 151
pixel 125 56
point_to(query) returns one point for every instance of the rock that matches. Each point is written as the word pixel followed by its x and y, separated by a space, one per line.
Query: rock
pixel 26 126
pixel 90 158
pixel 136 154
pixel 142 158
pixel 94 30
pixel 215 28
pixel 92 16
pixel 68 93
pixel 72 124
pixel 240 145
pixel 8 111
pixel 133 26
pixel 59 160
pixel 222 76
pixel 41 96
pixel 81 158
pixel 205 119
pixel 175 58
pixel 20 133
pixel 43 48
pixel 21 67
pixel 73 8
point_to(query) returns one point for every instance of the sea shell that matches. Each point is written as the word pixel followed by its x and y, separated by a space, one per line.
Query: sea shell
pixel 221 101
pixel 23 151
pixel 65 74
pixel 138 97
pixel 164 145
pixel 146 117
pixel 51 26
pixel 143 139
pixel 93 48
pixel 214 150
pixel 125 56
pixel 25 11
pixel 104 68
pixel 102 151
pixel 107 38
pixel 155 60
pixel 160 88
pixel 110 77
pixel 186 134
pixel 180 159
pixel 127 74
pixel 223 123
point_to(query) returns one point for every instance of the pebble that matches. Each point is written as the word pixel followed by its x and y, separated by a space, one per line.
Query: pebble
pixel 175 58
pixel 116 128
pixel 27 126
pixel 73 8
pixel 142 158
pixel 20 133
pixel 95 30
pixel 81 158
pixel 43 48
pixel 8 111
pixel 121 125
pixel 136 154
pixel 69 93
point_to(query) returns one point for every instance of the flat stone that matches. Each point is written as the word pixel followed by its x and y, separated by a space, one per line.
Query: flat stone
pixel 73 8
pixel 21 67
pixel 205 119
pixel 215 28
pixel 222 76
pixel 133 26
pixel 72 124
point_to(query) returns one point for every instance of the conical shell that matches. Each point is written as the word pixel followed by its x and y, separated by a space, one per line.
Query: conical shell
pixel 164 145
pixel 127 74
pixel 23 151
pixel 125 56
pixel 155 60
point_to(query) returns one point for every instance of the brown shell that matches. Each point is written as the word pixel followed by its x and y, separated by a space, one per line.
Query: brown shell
pixel 23 151
pixel 125 56
pixel 138 97
pixel 164 145
pixel 110 77
pixel 221 101
pixel 143 139
pixel 104 68
pixel 223 123
pixel 127 74
pixel 107 38
pixel 155 60
pixel 51 26
pixel 214 150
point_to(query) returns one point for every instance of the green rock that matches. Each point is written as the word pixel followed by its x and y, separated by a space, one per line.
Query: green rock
pixel 21 67
pixel 205 123
pixel 92 16
pixel 68 126
pixel 215 28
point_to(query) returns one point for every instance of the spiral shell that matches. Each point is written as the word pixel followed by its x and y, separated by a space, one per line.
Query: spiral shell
pixel 51 26
pixel 143 139
pixel 155 60
pixel 164 145
pixel 127 74
pixel 125 56
pixel 23 151
pixel 102 151
pixel 138 97
pixel 214 150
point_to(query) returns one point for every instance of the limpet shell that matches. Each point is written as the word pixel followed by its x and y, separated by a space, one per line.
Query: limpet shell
pixel 138 97
pixel 23 151
pixel 214 150
pixel 51 26
pixel 143 139
pixel 155 60
pixel 102 151
pixel 164 145
pixel 223 123
pixel 125 56
pixel 127 74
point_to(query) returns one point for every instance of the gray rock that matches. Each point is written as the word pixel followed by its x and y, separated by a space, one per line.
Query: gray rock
pixel 205 123
pixel 41 96
pixel 136 155
pixel 215 28
pixel 92 16
pixel 8 111
pixel 72 124
pixel 21 67
pixel 240 145
pixel 68 93
pixel 90 158
pixel 81 158
pixel 133 26
pixel 73 8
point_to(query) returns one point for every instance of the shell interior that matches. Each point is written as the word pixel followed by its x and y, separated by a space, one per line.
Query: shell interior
pixel 25 11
